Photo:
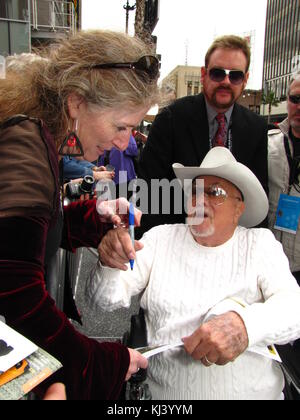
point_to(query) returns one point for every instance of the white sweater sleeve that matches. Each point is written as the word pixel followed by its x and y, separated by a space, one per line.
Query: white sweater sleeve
pixel 111 289
pixel 277 319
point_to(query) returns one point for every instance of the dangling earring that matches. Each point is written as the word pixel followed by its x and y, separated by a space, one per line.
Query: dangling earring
pixel 71 145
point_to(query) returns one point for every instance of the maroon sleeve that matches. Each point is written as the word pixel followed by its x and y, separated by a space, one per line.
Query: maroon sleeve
pixel 82 226
pixel 90 370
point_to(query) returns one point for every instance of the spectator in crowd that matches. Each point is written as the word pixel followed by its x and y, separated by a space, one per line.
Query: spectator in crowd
pixel 284 187
pixel 122 161
pixel 84 99
pixel 75 168
pixel 284 172
pixel 187 129
pixel 220 288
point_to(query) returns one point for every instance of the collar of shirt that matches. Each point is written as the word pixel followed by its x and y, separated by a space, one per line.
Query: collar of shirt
pixel 211 117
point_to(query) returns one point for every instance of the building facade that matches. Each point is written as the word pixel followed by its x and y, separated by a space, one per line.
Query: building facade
pixel 282 48
pixel 51 20
pixel 27 23
pixel 183 81
pixel 14 27
pixel 251 99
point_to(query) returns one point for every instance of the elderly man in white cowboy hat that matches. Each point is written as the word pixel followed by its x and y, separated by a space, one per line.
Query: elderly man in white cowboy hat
pixel 222 289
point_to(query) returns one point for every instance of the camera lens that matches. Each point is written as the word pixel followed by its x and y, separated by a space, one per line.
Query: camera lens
pixel 87 184
pixel 72 190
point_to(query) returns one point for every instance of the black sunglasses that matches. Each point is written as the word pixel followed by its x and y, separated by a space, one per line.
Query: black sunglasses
pixel 148 64
pixel 295 99
pixel 236 77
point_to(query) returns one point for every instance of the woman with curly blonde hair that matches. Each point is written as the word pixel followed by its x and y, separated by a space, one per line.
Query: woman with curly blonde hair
pixel 85 98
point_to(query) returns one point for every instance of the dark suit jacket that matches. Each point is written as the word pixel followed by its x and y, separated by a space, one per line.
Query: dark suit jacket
pixel 180 133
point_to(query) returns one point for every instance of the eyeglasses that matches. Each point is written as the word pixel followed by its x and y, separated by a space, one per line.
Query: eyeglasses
pixel 295 99
pixel 236 77
pixel 148 65
pixel 216 194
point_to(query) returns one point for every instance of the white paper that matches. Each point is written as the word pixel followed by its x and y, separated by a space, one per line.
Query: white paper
pixel 153 350
pixel 267 351
pixel 13 347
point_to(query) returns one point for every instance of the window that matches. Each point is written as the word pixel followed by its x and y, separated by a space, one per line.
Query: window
pixel 4 9
pixel 19 37
pixel 14 27
pixel 4 38
pixel 14 9
pixel 189 88
pixel 2 67
pixel 14 38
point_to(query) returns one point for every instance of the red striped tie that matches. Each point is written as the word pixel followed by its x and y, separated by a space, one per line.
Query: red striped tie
pixel 220 137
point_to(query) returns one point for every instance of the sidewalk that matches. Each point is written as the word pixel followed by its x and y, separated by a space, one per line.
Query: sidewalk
pixel 105 326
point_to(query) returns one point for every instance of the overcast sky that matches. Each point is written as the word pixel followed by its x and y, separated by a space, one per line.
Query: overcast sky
pixel 186 28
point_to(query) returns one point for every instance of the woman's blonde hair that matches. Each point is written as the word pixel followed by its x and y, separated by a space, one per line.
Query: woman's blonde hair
pixel 44 86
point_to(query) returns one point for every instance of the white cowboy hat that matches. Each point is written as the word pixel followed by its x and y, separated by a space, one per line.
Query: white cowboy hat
pixel 221 163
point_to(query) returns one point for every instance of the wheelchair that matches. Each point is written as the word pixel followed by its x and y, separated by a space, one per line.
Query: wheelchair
pixel 290 356
pixel 136 388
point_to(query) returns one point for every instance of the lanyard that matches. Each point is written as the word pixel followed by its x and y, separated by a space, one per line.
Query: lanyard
pixel 293 164
pixel 290 161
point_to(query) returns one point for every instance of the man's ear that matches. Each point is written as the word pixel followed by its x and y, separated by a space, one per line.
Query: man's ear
pixel 239 210
pixel 246 80
pixel 74 102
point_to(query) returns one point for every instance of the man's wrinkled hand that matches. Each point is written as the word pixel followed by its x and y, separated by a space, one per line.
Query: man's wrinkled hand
pixel 218 341
pixel 116 249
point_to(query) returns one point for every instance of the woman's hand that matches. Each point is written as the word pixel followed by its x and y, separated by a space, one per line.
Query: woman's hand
pixel 103 174
pixel 56 392
pixel 98 168
pixel 116 212
pixel 137 362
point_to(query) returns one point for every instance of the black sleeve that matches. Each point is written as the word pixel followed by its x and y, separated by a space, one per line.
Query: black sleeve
pixel 155 163
pixel 157 155
pixel 261 165
pixel 260 162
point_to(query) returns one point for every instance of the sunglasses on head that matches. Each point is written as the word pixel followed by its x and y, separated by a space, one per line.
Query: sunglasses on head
pixel 295 99
pixel 236 77
pixel 148 65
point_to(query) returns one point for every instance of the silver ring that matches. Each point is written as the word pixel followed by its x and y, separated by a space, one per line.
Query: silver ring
pixel 208 362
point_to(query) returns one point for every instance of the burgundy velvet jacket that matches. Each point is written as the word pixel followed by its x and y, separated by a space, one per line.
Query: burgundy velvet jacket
pixel 29 204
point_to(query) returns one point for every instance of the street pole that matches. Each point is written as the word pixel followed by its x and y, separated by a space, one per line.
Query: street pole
pixel 128 9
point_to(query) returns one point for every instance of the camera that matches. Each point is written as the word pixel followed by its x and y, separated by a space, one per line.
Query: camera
pixel 75 190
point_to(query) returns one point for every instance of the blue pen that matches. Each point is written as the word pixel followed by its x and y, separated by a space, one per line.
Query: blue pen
pixel 131 229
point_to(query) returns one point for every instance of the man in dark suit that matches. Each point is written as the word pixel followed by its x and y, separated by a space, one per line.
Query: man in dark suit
pixel 186 130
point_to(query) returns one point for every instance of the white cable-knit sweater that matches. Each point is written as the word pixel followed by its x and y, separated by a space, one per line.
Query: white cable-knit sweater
pixel 180 280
